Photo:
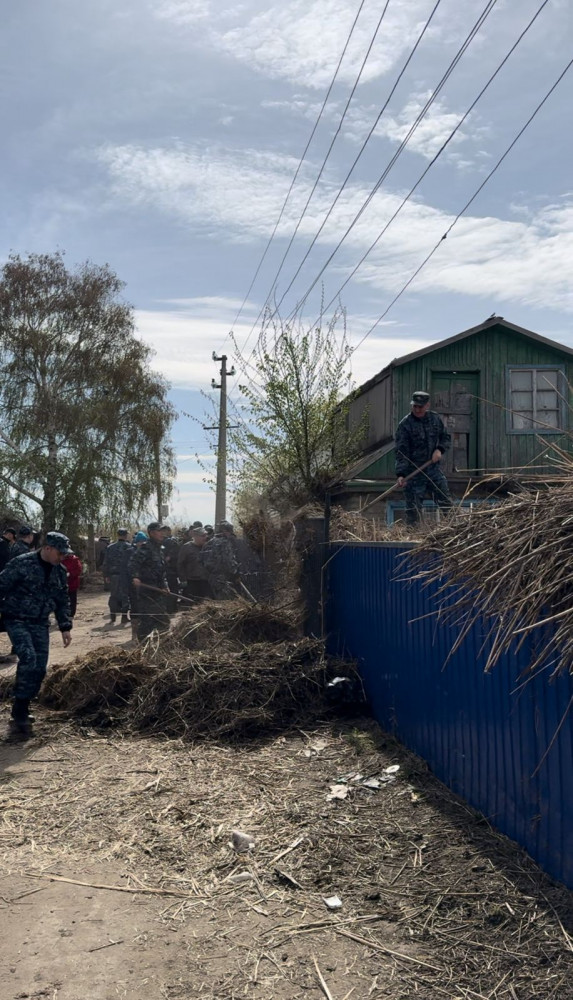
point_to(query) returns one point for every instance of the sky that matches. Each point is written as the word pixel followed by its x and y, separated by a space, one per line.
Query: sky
pixel 161 137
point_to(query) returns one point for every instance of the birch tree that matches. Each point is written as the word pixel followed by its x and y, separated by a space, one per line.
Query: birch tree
pixel 81 411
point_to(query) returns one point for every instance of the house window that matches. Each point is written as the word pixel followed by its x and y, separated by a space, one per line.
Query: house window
pixel 536 400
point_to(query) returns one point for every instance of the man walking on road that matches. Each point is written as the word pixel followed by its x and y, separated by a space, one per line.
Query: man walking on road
pixel 31 587
pixel 116 571
pixel 421 437
pixel 147 567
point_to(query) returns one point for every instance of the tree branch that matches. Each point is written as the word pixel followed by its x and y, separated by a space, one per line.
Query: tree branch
pixel 20 489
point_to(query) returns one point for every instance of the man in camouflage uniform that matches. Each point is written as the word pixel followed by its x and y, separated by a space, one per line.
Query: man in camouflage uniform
pixel 421 437
pixel 31 587
pixel 147 567
pixel 116 570
pixel 220 562
pixel 25 542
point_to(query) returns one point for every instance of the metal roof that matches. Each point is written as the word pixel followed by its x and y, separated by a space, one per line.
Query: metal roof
pixel 488 324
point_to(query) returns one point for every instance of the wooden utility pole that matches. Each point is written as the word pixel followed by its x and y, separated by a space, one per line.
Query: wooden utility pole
pixel 221 489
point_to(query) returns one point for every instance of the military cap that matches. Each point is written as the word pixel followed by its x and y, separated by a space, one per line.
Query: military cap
pixel 199 531
pixel 155 526
pixel 224 526
pixel 26 530
pixel 420 398
pixel 10 531
pixel 122 532
pixel 58 541
pixel 197 524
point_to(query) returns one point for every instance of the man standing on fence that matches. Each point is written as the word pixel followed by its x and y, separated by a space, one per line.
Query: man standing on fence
pixel 421 440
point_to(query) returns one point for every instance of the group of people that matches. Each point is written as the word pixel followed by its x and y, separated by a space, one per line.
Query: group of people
pixel 149 575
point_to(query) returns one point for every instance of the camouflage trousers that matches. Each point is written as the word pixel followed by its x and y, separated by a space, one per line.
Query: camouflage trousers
pixel 432 481
pixel 119 594
pixel 151 614
pixel 31 644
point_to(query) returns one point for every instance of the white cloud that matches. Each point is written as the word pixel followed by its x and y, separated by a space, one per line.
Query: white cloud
pixel 182 11
pixel 302 40
pixel 241 192
pixel 430 134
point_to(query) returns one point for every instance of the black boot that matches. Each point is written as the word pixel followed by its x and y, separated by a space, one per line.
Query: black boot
pixel 21 719
pixel 112 619
pixel 124 620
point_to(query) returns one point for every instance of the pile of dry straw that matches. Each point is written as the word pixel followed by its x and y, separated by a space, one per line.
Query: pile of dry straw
pixel 227 670
pixel 511 562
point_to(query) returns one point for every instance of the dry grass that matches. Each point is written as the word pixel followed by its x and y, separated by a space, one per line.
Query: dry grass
pixel 435 904
pixel 510 562
pixel 230 670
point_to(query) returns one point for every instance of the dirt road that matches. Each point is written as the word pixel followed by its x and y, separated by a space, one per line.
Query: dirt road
pixel 118 878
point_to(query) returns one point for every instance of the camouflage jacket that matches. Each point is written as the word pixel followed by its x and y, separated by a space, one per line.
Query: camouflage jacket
pixel 416 439
pixel 20 548
pixel 148 565
pixel 219 559
pixel 28 594
pixel 190 562
pixel 116 559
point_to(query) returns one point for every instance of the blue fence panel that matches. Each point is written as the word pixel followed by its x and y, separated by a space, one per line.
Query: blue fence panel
pixel 503 740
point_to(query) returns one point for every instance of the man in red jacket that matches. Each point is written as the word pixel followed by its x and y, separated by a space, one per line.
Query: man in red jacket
pixel 73 568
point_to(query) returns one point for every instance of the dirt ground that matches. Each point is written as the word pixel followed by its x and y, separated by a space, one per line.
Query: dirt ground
pixel 118 875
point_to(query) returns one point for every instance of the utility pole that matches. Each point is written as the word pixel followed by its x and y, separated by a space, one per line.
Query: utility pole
pixel 221 489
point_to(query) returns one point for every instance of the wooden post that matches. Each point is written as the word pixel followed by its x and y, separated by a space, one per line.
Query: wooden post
pixel 90 556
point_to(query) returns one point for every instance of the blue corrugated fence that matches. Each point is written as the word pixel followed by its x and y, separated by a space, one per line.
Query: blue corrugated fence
pixel 484 735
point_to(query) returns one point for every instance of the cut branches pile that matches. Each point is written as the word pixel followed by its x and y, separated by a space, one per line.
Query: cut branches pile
pixel 510 563
pixel 228 670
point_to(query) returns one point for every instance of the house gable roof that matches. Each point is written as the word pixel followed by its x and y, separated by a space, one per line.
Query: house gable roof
pixel 488 324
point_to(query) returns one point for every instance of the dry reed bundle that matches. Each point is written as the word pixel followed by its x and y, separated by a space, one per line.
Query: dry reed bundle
pixel 512 564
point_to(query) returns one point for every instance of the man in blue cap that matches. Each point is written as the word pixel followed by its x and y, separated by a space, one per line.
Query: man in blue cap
pixel 421 438
pixel 31 587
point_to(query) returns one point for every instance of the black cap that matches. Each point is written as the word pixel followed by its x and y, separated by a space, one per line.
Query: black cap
pixel 26 530
pixel 122 532
pixel 420 398
pixel 155 526
pixel 12 531
pixel 58 541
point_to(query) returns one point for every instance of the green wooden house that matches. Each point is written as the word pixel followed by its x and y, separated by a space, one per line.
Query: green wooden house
pixel 499 389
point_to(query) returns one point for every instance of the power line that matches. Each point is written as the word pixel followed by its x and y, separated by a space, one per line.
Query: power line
pixel 325 160
pixel 434 159
pixel 364 144
pixel 454 62
pixel 300 163
pixel 421 115
pixel 466 206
